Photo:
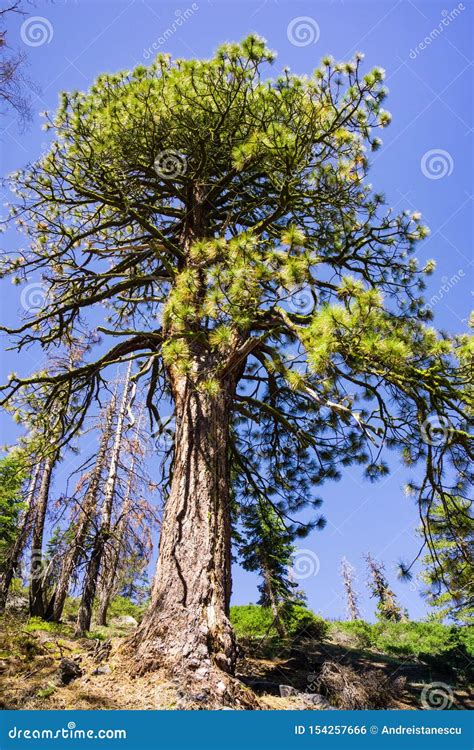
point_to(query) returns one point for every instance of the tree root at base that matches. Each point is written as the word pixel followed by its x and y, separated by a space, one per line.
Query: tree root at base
pixel 200 685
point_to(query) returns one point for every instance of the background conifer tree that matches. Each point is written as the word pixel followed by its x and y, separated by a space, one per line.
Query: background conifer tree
pixel 388 607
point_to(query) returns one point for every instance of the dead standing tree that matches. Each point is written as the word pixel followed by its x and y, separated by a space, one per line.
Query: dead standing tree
pixel 347 573
pixel 103 530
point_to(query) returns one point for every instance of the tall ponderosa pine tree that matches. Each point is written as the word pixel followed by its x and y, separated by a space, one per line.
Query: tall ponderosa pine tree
pixel 193 197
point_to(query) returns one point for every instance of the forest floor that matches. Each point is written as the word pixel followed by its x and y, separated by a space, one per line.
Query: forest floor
pixel 31 653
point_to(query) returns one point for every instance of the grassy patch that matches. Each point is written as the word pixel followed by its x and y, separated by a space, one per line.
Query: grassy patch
pixel 36 623
pixel 407 638
pixel 255 628
pixel 46 692
pixel 253 621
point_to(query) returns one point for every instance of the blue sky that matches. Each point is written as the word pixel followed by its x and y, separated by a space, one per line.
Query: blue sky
pixel 426 163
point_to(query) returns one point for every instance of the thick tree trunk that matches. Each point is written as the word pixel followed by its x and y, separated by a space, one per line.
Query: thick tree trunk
pixel 187 626
pixel 80 528
pixel 21 539
pixel 36 592
pixel 84 616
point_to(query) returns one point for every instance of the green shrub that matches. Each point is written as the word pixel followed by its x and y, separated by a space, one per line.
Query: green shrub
pixel 415 638
pixel 71 608
pixel 36 623
pixel 360 632
pixel 96 635
pixel 301 622
pixel 46 692
pixel 409 638
pixel 121 606
pixel 466 639
pixel 17 588
pixel 252 621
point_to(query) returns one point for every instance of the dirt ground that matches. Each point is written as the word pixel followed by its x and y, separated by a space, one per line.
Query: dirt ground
pixel 30 662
